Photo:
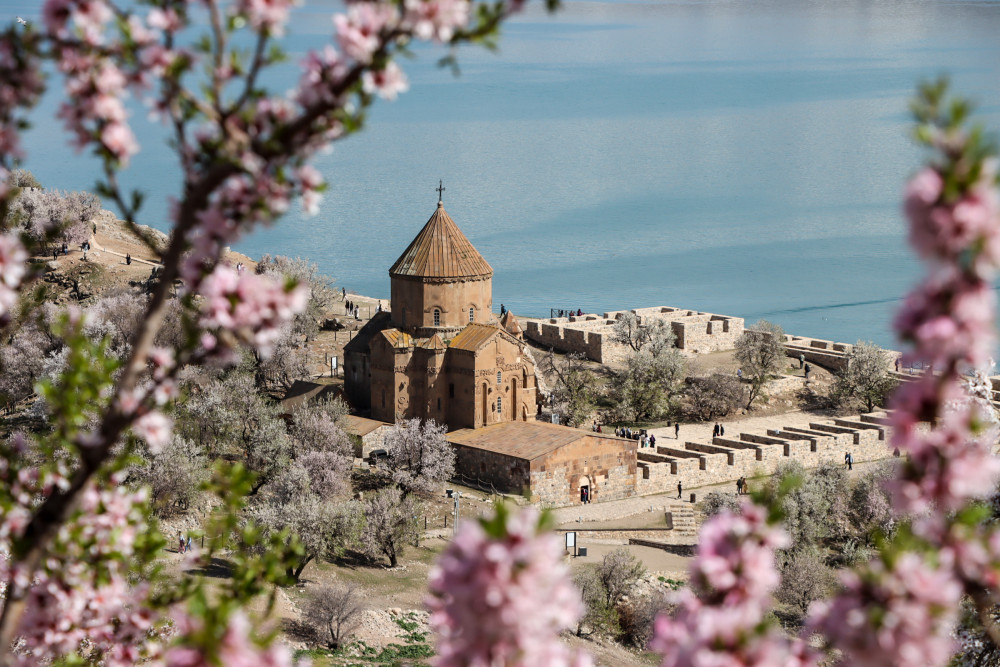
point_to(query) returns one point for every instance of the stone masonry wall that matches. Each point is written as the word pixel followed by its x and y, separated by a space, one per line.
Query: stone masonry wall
pixel 606 465
pixel 749 454
pixel 590 334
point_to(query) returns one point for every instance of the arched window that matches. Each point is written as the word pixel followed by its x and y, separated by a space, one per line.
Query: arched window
pixel 499 404
pixel 499 377
pixel 437 317
pixel 472 314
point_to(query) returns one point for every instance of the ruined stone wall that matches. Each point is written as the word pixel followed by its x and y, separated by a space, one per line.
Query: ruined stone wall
pixel 748 454
pixel 590 334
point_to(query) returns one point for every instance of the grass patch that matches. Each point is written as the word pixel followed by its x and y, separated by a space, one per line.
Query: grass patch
pixel 412 652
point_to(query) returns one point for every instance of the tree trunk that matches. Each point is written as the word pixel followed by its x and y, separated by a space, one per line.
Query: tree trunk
pixel 296 572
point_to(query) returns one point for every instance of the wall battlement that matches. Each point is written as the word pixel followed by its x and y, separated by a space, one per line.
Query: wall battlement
pixel 750 454
pixel 590 334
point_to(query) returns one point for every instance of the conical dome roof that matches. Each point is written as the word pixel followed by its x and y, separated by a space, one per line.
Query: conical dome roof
pixel 441 250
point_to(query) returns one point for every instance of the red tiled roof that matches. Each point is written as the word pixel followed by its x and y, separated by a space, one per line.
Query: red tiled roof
pixel 510 323
pixel 441 250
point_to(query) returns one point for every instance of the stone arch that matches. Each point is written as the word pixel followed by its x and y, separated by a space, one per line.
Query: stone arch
pixel 584 488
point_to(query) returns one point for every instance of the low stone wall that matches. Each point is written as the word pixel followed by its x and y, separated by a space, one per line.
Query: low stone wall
pixel 751 454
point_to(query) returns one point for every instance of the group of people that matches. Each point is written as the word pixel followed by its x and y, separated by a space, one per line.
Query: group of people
pixel 718 431
pixel 804 366
pixel 352 309
pixel 183 546
pixel 741 486
pixel 64 250
pixel 562 313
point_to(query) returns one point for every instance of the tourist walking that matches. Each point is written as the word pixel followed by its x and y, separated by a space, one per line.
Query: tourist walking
pixel 715 431
pixel 802 360
pixel 722 430
pixel 808 370
pixel 897 364
pixel 850 461
pixel 128 259
pixel 503 310
pixel 680 490
pixel 739 373
pixel 180 542
pixel 739 486
pixel 677 431
pixel 188 545
pixel 652 440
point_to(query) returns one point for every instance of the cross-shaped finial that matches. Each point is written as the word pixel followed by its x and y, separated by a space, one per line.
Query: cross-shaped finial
pixel 440 190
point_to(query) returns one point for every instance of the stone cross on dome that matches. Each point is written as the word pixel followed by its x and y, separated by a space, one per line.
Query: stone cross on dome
pixel 440 190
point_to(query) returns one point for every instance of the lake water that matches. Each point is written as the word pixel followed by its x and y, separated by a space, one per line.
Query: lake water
pixel 741 157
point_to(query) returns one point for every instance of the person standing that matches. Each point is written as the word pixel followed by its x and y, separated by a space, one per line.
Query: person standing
pixel 808 370
pixel 802 360
pixel 180 542
pixel 850 461
pixel 188 545
pixel 739 486
pixel 722 430
pixel 715 431
pixel 680 490
pixel 677 431
pixel 652 440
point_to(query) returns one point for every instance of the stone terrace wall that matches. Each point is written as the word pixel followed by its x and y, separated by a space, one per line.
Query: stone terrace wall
pixel 590 334
pixel 752 454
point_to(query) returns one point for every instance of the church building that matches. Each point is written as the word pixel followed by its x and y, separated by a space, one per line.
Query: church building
pixel 439 352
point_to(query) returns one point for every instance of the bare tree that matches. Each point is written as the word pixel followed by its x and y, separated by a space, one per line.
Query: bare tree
pixel 618 572
pixel 598 615
pixel 390 524
pixel 712 396
pixel 805 578
pixel 334 611
pixel 761 353
pixel 866 378
pixel 420 458
pixel 575 387
pixel 655 335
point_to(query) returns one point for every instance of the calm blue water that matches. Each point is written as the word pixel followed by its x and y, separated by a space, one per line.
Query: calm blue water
pixel 741 157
